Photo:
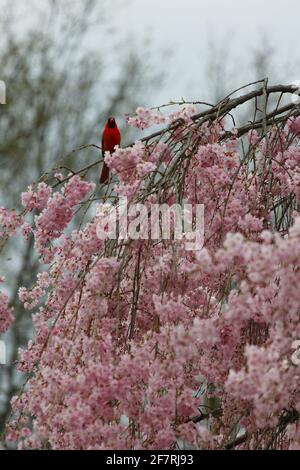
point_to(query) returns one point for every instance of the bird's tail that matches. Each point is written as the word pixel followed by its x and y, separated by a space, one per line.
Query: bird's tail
pixel 104 174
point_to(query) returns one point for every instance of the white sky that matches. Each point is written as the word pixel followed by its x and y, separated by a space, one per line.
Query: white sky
pixel 187 26
pixel 180 32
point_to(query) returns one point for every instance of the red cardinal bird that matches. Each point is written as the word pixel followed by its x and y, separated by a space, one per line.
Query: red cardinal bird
pixel 110 138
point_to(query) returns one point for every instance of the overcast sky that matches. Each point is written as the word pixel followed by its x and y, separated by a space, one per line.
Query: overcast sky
pixel 187 27
pixel 183 35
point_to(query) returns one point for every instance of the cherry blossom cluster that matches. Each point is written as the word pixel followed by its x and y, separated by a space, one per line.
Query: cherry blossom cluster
pixel 140 344
pixel 36 199
pixel 10 221
pixel 145 117
pixel 55 211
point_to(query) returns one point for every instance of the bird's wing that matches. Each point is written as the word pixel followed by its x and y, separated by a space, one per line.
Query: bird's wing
pixel 102 145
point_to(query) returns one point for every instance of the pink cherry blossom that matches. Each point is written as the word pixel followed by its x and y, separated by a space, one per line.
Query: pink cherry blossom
pixel 142 344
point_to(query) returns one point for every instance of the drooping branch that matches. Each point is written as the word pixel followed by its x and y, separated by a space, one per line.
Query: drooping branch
pixel 277 116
